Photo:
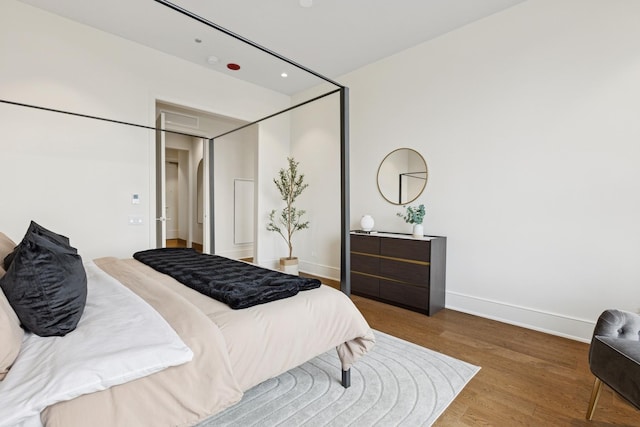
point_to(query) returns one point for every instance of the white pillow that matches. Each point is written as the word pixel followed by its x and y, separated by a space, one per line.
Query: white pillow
pixel 119 338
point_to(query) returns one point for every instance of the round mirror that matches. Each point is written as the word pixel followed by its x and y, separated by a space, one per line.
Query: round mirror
pixel 402 176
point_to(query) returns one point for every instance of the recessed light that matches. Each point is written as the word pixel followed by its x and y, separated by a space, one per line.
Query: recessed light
pixel 232 66
pixel 283 75
pixel 212 60
pixel 197 40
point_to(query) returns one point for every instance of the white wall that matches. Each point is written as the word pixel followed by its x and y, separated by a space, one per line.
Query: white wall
pixel 315 144
pixel 528 121
pixel 273 149
pixel 234 157
pixel 77 175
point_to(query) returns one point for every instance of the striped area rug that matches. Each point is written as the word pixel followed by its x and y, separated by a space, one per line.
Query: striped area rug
pixel 396 384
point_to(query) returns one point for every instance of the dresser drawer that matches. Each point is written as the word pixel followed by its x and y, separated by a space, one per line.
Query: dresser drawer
pixel 409 272
pixel 412 296
pixel 418 250
pixel 365 285
pixel 365 264
pixel 366 244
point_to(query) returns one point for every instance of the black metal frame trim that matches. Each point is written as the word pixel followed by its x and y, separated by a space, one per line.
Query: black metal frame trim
pixel 345 242
pixel 86 116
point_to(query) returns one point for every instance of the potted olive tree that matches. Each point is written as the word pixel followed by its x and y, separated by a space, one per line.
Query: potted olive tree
pixel 290 184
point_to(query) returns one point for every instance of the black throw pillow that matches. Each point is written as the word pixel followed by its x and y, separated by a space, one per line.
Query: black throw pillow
pixel 35 228
pixel 46 285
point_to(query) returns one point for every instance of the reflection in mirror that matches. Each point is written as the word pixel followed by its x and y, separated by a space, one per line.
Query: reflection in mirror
pixel 402 176
pixel 243 211
pixel 235 169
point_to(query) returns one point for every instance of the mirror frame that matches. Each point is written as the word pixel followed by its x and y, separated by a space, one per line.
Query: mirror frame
pixel 424 185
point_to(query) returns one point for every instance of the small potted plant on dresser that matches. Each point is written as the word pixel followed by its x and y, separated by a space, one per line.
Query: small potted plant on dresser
pixel 290 184
pixel 414 216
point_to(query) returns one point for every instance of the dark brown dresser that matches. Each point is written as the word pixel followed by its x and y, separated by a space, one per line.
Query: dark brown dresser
pixel 399 269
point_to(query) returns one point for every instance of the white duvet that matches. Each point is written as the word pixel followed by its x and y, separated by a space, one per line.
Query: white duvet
pixel 119 338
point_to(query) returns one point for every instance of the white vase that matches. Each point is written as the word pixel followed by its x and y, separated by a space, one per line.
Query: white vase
pixel 418 230
pixel 366 223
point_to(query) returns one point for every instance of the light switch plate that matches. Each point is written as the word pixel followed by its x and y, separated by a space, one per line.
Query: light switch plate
pixel 136 219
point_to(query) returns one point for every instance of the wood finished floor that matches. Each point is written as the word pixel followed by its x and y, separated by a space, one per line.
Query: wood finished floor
pixel 179 243
pixel 528 378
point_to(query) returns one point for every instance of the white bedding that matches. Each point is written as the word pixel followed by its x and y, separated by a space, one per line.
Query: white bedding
pixel 266 340
pixel 119 338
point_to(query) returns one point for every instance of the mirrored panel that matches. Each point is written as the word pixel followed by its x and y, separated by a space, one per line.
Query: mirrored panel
pixel 402 176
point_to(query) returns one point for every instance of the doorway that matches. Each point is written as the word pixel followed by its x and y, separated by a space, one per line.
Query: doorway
pixel 176 181
pixel 234 157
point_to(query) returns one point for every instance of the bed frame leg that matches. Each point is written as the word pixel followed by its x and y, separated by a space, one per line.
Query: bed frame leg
pixel 346 378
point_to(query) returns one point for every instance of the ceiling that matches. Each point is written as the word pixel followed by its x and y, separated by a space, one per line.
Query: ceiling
pixel 332 37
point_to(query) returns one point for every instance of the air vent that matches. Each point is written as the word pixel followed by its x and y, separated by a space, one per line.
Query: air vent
pixel 182 120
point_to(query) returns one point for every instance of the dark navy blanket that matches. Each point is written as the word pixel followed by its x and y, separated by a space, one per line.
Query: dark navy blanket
pixel 235 283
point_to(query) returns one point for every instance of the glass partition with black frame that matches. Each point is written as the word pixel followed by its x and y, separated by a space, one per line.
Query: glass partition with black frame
pixel 179 33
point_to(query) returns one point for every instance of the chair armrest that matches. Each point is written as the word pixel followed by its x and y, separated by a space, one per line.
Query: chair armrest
pixel 618 324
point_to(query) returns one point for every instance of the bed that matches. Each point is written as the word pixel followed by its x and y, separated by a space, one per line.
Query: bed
pixel 225 351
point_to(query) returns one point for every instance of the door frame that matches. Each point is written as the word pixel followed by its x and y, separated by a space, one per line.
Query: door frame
pixel 157 177
pixel 160 193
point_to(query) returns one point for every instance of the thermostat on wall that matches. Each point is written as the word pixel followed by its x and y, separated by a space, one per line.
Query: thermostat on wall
pixel 135 199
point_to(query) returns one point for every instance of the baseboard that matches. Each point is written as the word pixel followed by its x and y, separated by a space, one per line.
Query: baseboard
pixel 538 320
pixel 526 317
pixel 237 253
pixel 320 270
pixel 269 263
